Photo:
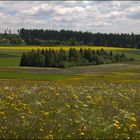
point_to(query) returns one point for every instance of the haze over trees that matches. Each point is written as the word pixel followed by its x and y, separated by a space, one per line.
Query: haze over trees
pixel 72 57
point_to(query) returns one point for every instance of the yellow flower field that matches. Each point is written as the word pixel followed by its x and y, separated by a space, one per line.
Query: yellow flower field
pixel 79 108
pixel 64 47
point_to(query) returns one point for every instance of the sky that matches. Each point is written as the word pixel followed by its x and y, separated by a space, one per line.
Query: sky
pixel 91 16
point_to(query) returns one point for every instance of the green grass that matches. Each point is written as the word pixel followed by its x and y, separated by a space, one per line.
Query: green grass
pixel 10 55
pixel 87 102
pixel 33 76
pixel 106 71
pixel 137 52
pixel 135 56
pixel 9 64
pixel 86 108
pixel 10 59
pixel 117 76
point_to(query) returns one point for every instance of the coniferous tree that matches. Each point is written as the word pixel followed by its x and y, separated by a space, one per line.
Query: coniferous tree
pixel 65 37
pixel 23 61
pixel 61 58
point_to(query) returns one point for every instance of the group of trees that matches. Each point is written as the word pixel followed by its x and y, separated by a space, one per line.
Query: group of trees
pixel 68 37
pixel 72 57
pixel 11 39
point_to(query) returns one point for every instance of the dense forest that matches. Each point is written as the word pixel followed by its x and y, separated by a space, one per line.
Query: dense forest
pixel 72 57
pixel 68 37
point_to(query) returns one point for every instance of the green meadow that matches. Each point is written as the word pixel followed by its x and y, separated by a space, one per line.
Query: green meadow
pixel 10 59
pixel 85 102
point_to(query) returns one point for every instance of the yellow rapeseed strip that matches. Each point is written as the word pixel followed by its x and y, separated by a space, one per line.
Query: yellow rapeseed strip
pixel 63 47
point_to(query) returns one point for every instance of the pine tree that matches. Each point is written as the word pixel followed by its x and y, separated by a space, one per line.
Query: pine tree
pixel 23 61
pixel 39 60
pixel 61 58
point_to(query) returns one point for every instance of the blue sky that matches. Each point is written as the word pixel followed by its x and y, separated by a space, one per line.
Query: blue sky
pixel 92 16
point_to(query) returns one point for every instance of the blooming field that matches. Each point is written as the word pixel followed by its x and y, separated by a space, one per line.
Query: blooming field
pixel 25 48
pixel 84 107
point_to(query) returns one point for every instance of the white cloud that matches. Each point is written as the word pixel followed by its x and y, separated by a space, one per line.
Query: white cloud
pixel 94 16
pixel 114 14
pixel 133 12
pixel 37 9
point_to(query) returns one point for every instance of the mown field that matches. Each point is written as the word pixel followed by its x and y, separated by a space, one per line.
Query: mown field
pixel 88 102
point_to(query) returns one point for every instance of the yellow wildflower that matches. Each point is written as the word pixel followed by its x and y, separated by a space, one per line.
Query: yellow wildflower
pixel 57 94
pixel 82 134
pixel 50 136
pixel 75 96
pixel 89 97
pixel 67 105
pixel 46 113
pixel 117 124
pixel 41 129
pixel 2 113
pixel 133 119
pixel 22 117
pixel 132 126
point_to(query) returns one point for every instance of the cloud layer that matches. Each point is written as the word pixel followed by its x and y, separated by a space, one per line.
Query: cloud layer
pixel 93 16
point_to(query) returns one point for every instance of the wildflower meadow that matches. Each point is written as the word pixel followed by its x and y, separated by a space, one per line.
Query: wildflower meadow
pixel 83 108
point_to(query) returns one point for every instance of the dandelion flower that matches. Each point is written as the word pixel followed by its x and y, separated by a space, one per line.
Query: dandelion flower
pixel 46 113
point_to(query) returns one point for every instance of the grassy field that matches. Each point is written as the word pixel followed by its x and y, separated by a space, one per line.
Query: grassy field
pixel 10 55
pixel 9 65
pixel 133 53
pixel 87 102
pixel 33 76
pixel 10 59
pixel 99 106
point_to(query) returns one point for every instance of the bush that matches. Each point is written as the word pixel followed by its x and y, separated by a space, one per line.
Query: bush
pixel 100 60
pixel 94 63
pixel 64 64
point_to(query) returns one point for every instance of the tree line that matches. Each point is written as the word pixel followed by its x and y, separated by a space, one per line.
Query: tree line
pixel 11 39
pixel 72 57
pixel 68 37
pixel 8 38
